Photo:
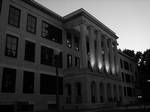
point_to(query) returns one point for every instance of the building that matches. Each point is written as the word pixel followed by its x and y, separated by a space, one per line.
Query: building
pixel 89 69
pixel 130 78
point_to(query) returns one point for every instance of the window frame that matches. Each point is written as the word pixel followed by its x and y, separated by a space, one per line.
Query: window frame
pixel 10 19
pixel 31 28
pixel 30 51
pixel 9 51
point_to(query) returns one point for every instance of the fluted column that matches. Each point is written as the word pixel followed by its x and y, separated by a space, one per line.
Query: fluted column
pixel 112 68
pixel 83 47
pixel 107 67
pixel 91 44
pixel 116 59
pixel 99 50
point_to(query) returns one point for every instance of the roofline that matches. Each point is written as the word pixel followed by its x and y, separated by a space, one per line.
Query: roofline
pixel 43 9
pixel 83 12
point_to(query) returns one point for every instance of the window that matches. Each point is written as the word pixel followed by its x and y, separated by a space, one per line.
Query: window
pixel 11 46
pixel 31 23
pixel 48 84
pixel 8 80
pixel 126 65
pixel 69 60
pixel 59 60
pixel 47 57
pixel 121 63
pixel 77 61
pixel 29 51
pixel 69 40
pixel 28 82
pixel 14 16
pixel 51 32
pixel 0 5
pixel 76 43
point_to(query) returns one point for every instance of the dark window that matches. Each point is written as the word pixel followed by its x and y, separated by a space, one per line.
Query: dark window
pixel 9 80
pixel 121 63
pixel 14 16
pixel 129 91
pixel 51 32
pixel 59 60
pixel 69 60
pixel 11 46
pixel 88 47
pixel 68 87
pixel 76 43
pixel 47 56
pixel 28 82
pixel 48 84
pixel 29 51
pixel 122 76
pixel 126 65
pixel 69 40
pixel 0 5
pixel 77 61
pixel 31 23
pixel 125 94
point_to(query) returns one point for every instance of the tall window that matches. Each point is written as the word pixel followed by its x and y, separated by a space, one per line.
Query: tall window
pixel 14 16
pixel 29 51
pixel 31 23
pixel 11 46
pixel 76 43
pixel 77 61
pixel 47 56
pixel 0 6
pixel 69 40
pixel 28 82
pixel 51 32
pixel 121 63
pixel 69 60
pixel 8 80
pixel 48 84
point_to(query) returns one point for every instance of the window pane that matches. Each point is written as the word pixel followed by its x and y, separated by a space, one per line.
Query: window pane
pixel 14 16
pixel 31 24
pixel 9 80
pixel 29 51
pixel 51 32
pixel 11 46
pixel 28 82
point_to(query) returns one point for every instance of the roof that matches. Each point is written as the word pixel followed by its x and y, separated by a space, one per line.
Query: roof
pixel 86 14
pixel 78 12
pixel 43 9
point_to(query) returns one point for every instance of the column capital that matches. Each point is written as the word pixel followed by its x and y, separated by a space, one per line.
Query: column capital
pixel 98 31
pixel 90 27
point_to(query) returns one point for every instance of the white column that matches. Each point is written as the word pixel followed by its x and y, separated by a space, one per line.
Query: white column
pixel 112 67
pixel 107 67
pixel 117 60
pixel 92 48
pixel 83 49
pixel 99 51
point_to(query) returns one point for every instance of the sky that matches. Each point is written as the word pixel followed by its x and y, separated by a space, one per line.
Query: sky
pixel 129 19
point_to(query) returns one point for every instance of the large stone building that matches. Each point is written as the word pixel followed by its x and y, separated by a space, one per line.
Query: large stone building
pixel 89 62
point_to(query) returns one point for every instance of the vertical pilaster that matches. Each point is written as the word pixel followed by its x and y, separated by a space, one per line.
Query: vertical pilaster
pixel 91 44
pixel 83 49
pixel 99 51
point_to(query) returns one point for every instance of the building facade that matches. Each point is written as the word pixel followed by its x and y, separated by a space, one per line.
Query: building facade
pixel 89 67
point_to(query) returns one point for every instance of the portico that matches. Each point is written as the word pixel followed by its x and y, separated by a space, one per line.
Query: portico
pixel 95 83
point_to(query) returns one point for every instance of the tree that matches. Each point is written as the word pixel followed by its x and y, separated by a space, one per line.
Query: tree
pixel 129 52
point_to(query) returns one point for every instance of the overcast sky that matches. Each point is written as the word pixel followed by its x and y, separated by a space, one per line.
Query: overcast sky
pixel 129 19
